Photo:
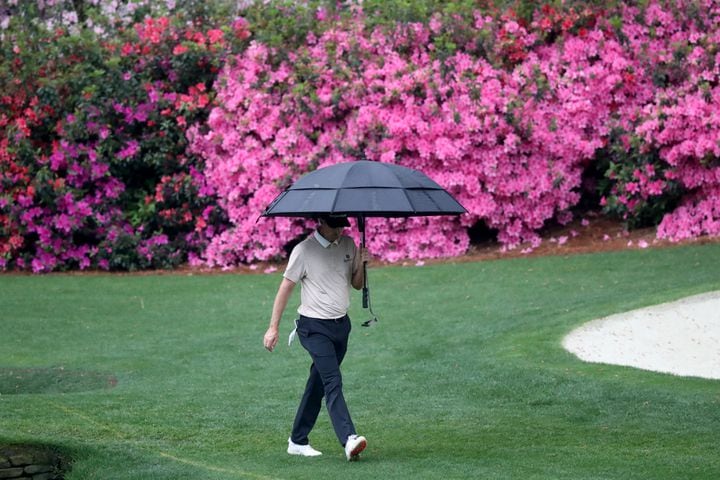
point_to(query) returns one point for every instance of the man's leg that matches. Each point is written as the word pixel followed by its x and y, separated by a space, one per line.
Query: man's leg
pixel 309 408
pixel 326 342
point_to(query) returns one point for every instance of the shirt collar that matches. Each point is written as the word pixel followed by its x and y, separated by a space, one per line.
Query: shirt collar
pixel 324 241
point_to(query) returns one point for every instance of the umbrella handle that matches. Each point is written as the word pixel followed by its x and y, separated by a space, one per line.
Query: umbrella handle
pixel 366 290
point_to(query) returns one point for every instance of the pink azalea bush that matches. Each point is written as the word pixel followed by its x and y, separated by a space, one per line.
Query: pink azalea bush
pixel 92 145
pixel 682 122
pixel 352 93
pixel 177 152
pixel 509 122
pixel 663 153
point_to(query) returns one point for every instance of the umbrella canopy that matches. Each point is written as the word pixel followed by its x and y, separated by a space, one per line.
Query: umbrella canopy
pixel 364 189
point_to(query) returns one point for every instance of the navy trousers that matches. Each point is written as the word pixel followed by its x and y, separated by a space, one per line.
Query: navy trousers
pixel 326 341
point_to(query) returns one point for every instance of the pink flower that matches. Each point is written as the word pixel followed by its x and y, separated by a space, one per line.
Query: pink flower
pixel 435 24
pixel 215 35
pixel 180 49
pixel 130 150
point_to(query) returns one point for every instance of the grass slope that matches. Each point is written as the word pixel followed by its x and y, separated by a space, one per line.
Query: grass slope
pixel 464 377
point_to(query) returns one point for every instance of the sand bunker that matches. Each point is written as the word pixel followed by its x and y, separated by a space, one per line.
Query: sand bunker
pixel 680 338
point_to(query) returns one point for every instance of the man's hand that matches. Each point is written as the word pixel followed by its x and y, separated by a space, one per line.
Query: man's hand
pixel 281 299
pixel 363 256
pixel 358 274
pixel 271 338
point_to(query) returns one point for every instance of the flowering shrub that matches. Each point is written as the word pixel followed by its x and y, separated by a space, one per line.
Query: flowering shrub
pixel 106 18
pixel 136 137
pixel 507 115
pixel 662 150
pixel 93 150
pixel 682 122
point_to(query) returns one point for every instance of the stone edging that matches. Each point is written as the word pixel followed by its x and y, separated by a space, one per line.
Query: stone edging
pixel 23 462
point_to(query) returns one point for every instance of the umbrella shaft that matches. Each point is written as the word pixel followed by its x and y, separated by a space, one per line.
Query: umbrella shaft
pixel 366 291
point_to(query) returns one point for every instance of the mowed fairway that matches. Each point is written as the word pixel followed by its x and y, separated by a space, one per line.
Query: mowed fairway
pixel 464 377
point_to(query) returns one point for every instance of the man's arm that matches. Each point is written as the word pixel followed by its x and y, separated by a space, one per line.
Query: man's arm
pixel 358 273
pixel 281 300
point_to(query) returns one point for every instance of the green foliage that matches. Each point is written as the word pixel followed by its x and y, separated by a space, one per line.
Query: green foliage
pixel 636 185
pixel 284 24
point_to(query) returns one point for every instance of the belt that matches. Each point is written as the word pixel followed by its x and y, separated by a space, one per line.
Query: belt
pixel 336 320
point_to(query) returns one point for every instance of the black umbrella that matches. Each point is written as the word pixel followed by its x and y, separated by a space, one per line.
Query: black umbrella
pixel 364 189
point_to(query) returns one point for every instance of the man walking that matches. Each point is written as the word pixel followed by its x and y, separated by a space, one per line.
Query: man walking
pixel 326 264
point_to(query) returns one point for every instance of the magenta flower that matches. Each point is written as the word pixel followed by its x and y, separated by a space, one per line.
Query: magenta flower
pixel 130 150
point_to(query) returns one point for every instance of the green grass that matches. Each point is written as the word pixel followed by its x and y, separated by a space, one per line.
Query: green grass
pixel 464 377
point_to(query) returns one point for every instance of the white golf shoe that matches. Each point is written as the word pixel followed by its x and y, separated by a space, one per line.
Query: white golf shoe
pixel 354 445
pixel 303 450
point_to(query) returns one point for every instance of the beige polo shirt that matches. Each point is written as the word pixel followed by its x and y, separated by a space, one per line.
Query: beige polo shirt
pixel 324 271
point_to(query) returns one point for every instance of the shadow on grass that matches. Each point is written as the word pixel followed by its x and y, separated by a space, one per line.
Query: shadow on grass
pixel 52 380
